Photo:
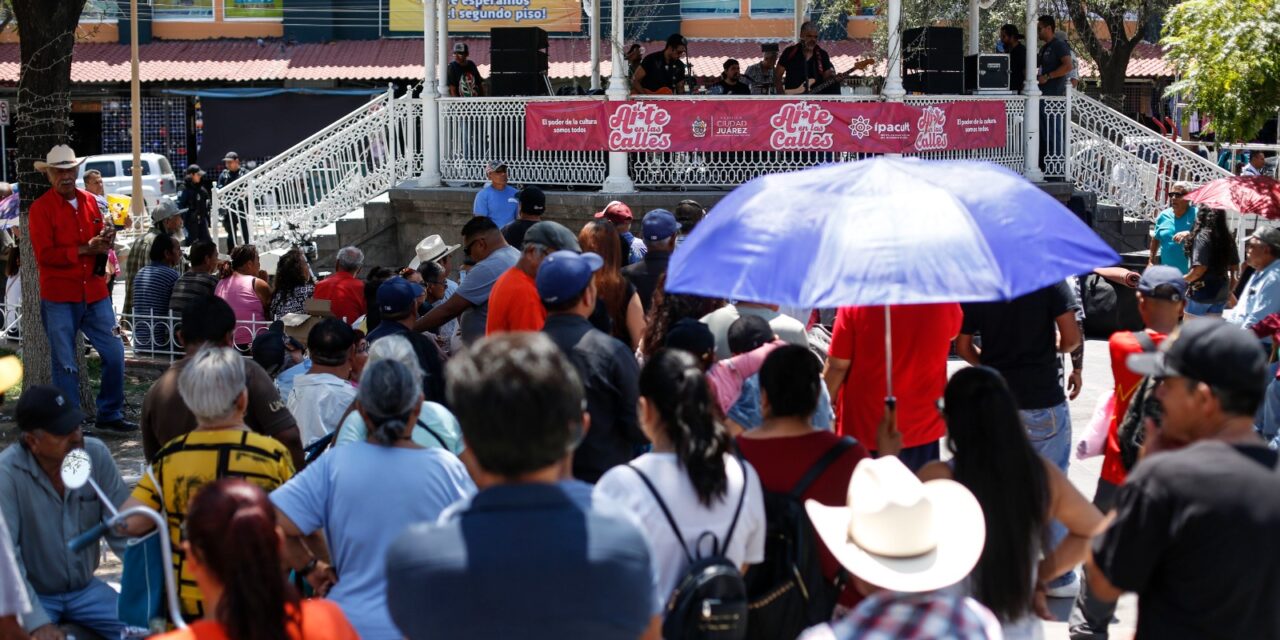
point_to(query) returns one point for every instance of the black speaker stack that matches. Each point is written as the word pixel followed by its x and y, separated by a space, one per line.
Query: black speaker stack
pixel 933 60
pixel 518 62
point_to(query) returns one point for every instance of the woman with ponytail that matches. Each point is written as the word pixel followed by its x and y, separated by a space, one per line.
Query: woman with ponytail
pixel 1020 493
pixel 232 547
pixel 692 471
pixel 364 495
pixel 242 285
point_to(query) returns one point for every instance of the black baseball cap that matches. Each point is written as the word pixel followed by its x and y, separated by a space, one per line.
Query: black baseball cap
pixel 1209 350
pixel 268 348
pixel 43 406
pixel 533 201
pixel 688 334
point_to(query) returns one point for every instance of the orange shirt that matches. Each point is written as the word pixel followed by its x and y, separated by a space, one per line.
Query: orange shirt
pixel 1122 344
pixel 321 620
pixel 514 304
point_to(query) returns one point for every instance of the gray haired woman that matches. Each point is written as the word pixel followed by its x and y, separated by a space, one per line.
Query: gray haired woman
pixel 345 493
pixel 213 387
pixel 435 425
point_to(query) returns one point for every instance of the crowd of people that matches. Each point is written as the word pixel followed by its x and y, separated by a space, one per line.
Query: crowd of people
pixel 551 444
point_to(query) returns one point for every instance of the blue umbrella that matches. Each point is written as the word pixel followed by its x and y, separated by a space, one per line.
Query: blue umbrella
pixel 885 231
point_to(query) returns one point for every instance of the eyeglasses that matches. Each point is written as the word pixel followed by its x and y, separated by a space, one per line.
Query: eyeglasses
pixel 466 251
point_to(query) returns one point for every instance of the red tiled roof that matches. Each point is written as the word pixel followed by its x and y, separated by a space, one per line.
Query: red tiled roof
pixel 1147 61
pixel 229 61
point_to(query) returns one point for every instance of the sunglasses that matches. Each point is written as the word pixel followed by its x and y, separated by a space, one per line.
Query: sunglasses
pixel 466 251
pixel 1178 194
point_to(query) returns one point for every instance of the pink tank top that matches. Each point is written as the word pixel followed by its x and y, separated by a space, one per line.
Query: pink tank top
pixel 237 291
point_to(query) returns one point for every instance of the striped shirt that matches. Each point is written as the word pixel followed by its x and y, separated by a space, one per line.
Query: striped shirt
pixel 190 286
pixel 152 288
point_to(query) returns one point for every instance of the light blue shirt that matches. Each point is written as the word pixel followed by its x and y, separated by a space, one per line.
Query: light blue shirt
pixel 1260 299
pixel 436 428
pixel 501 206
pixel 284 381
pixel 475 289
pixel 364 496
pixel 1167 225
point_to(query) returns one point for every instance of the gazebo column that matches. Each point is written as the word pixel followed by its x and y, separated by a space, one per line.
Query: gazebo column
pixel 430 99
pixel 1031 89
pixel 595 45
pixel 618 180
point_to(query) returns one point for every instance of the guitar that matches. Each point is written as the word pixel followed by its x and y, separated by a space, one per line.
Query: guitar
pixel 813 86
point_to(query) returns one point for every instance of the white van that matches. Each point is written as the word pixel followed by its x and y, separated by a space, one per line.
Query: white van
pixel 158 177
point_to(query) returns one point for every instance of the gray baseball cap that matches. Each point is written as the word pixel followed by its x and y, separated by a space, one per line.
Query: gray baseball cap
pixel 554 235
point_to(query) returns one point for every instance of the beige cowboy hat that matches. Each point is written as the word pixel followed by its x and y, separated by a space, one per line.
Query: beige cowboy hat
pixel 59 157
pixel 10 372
pixel 431 248
pixel 900 534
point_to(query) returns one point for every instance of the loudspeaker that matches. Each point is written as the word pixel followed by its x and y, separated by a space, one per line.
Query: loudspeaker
pixel 934 82
pixel 519 38
pixel 517 84
pixel 986 72
pixel 933 49
pixel 518 61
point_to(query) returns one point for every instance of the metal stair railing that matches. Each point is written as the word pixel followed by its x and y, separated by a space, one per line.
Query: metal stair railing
pixel 326 176
pixel 1127 163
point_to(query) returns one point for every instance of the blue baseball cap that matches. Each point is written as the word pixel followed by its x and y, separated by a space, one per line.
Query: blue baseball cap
pixel 565 274
pixel 398 294
pixel 1163 282
pixel 659 224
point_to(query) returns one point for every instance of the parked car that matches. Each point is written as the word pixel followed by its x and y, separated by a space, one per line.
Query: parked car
pixel 158 177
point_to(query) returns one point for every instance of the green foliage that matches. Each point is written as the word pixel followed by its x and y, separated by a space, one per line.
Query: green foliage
pixel 1227 53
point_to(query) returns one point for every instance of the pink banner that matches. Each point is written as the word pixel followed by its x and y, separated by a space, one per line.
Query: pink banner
pixel 764 125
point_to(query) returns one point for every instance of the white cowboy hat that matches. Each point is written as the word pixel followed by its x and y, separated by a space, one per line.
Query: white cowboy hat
pixel 59 157
pixel 900 534
pixel 431 248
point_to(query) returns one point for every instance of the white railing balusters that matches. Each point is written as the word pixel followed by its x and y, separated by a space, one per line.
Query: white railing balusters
pixel 1127 163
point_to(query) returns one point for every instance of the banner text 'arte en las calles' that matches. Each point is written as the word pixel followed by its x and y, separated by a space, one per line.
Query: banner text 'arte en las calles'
pixel 483 15
pixel 764 125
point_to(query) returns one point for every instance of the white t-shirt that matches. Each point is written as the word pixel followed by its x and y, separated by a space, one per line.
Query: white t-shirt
pixel 624 487
pixel 317 402
pixel 787 328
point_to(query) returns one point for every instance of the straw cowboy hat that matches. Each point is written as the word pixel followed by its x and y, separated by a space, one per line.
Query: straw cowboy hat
pixel 431 248
pixel 899 534
pixel 59 157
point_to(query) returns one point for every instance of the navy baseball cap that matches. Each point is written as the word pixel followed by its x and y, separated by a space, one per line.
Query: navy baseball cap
pixel 659 224
pixel 565 274
pixel 1164 283
pixel 43 406
pixel 1209 350
pixel 398 294
pixel 688 334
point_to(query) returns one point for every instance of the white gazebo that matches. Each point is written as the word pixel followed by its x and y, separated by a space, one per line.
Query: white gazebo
pixel 435 41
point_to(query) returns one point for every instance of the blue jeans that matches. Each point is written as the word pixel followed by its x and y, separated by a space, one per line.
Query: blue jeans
pixel 93 607
pixel 1205 308
pixel 97 321
pixel 1050 433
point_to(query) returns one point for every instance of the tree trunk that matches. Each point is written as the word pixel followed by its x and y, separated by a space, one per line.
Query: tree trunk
pixel 43 116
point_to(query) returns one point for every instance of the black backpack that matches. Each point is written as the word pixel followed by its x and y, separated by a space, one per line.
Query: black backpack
pixel 1101 306
pixel 710 600
pixel 788 591
pixel 1131 428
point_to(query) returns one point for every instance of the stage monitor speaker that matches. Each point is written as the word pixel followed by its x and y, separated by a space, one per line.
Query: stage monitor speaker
pixel 520 38
pixel 986 72
pixel 517 84
pixel 933 49
pixel 518 61
pixel 934 82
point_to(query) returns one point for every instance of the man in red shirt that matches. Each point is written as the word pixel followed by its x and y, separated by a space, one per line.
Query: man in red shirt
pixel 922 339
pixel 514 304
pixel 1162 295
pixel 343 290
pixel 68 237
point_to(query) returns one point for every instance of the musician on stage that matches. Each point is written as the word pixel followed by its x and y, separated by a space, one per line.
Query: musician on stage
pixel 730 82
pixel 805 65
pixel 662 71
pixel 759 76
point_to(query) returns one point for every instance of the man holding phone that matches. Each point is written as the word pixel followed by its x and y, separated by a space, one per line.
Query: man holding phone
pixel 70 241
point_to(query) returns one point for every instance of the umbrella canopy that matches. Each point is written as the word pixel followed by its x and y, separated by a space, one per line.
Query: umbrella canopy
pixel 885 231
pixel 1259 195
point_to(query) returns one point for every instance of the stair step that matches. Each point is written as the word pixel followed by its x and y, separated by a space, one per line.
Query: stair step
pixel 352 227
